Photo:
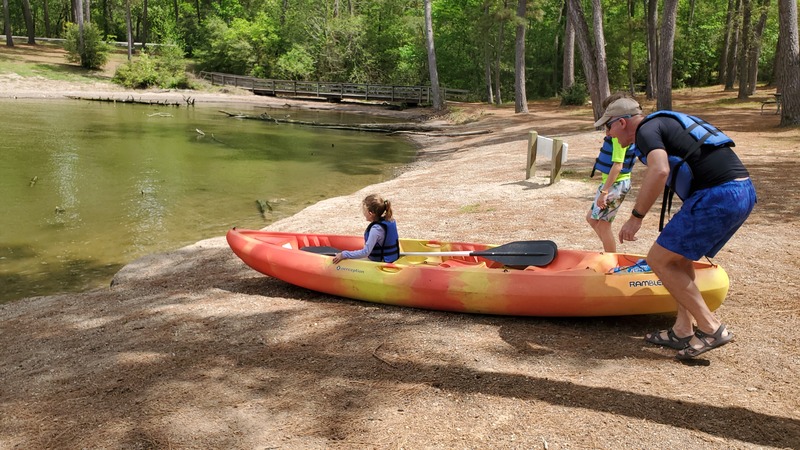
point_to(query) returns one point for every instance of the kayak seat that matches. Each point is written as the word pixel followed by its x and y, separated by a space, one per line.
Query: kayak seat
pixel 458 262
pixel 599 262
pixel 314 241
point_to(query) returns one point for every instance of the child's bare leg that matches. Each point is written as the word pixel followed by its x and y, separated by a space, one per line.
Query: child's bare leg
pixel 603 230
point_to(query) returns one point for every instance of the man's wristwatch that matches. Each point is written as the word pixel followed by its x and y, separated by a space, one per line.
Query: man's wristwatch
pixel 637 214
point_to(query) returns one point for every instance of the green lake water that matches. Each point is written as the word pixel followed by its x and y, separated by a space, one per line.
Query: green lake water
pixel 86 187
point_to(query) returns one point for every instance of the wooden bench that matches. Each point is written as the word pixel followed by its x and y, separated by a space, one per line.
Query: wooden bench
pixel 554 149
pixel 776 101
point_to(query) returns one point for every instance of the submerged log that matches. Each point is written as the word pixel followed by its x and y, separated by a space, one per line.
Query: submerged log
pixel 188 101
pixel 406 127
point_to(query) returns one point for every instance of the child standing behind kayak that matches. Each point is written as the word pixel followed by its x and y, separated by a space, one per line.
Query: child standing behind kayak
pixel 381 241
pixel 615 163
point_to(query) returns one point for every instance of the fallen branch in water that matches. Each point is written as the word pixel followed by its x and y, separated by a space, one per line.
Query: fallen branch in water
pixel 371 127
pixel 130 99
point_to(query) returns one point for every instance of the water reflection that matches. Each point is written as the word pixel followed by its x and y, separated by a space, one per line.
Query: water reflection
pixel 146 212
pixel 63 166
pixel 116 182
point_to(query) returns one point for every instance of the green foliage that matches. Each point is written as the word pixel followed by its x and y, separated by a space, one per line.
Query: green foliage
pixel 697 42
pixel 394 40
pixel 577 95
pixel 163 67
pixel 94 52
pixel 225 49
pixel 342 53
pixel 382 41
pixel 410 65
pixel 243 48
pixel 296 64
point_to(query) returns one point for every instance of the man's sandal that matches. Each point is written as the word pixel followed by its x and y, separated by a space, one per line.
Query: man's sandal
pixel 718 341
pixel 672 340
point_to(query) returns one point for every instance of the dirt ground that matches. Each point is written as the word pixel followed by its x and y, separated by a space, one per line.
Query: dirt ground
pixel 192 349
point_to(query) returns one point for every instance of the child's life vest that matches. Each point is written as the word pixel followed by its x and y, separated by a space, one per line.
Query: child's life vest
pixel 389 249
pixel 603 162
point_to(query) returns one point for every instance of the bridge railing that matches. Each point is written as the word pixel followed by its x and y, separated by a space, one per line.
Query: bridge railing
pixel 334 91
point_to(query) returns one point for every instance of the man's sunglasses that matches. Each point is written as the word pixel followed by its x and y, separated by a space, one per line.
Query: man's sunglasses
pixel 611 122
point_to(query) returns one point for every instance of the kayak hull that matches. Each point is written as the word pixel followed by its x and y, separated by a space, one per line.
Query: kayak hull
pixel 575 284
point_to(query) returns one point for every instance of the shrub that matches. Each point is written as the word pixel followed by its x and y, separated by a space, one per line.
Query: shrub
pixel 94 53
pixel 245 47
pixel 576 95
pixel 163 67
pixel 296 64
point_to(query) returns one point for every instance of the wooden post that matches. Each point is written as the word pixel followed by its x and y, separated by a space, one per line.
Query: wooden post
pixel 532 138
pixel 555 167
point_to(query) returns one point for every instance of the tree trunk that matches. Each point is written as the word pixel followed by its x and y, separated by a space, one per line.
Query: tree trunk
pixel 729 28
pixel 87 14
pixel 7 25
pixel 26 13
pixel 568 70
pixel 631 81
pixel 600 49
pixel 520 96
pixel 487 56
pixel 755 48
pixel 130 30
pixel 144 24
pixel 79 20
pixel 46 11
pixel 436 94
pixel 666 46
pixel 733 50
pixel 789 82
pixel 488 72
pixel 501 35
pixel 744 48
pixel 652 48
pixel 587 55
pixel 777 65
pixel 556 50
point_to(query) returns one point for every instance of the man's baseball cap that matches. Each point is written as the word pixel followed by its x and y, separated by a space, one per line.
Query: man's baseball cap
pixel 624 106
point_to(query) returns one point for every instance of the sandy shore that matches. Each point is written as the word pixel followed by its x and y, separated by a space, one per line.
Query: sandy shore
pixel 191 349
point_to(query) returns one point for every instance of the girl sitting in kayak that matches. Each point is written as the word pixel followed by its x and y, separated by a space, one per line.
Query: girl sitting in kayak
pixel 381 241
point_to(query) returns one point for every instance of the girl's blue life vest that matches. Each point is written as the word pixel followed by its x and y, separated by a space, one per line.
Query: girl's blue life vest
pixel 389 249
pixel 603 162
pixel 680 174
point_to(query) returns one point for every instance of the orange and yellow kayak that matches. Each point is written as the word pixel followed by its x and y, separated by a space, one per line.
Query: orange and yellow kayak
pixel 574 283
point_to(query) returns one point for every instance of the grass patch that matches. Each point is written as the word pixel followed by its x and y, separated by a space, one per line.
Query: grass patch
pixel 754 101
pixel 473 209
pixel 48 61
pixel 461 116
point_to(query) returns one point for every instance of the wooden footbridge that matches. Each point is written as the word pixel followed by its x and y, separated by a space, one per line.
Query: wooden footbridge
pixel 413 95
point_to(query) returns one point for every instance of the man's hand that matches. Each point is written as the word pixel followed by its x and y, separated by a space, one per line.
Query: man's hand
pixel 629 230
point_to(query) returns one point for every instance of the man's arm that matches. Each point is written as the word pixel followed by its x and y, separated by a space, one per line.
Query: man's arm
pixel 653 183
pixel 655 177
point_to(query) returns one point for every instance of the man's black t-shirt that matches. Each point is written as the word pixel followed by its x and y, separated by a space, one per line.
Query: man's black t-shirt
pixel 711 166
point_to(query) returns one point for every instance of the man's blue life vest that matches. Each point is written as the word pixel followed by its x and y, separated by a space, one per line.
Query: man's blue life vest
pixel 604 163
pixel 680 175
pixel 389 250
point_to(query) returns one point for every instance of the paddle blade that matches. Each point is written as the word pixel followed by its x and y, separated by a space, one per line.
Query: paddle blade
pixel 522 253
pixel 321 250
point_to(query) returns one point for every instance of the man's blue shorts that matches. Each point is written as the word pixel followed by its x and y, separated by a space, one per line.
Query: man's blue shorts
pixel 708 219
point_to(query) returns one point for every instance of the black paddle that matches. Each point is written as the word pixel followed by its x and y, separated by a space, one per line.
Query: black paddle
pixel 519 253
